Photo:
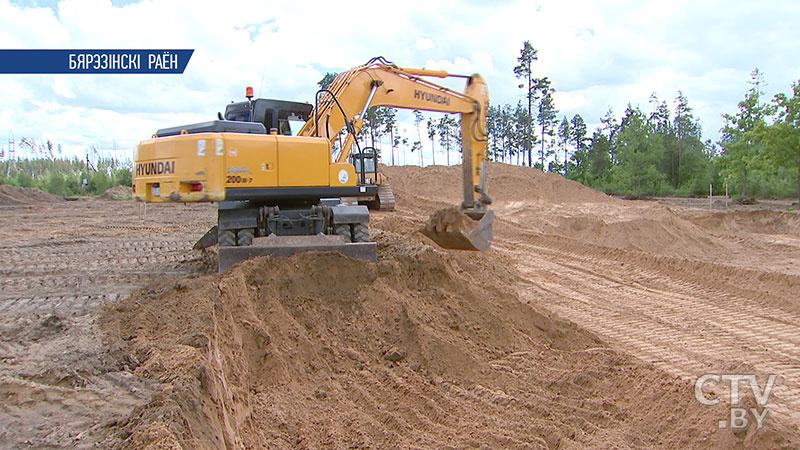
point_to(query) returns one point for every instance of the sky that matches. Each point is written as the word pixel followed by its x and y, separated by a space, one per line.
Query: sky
pixel 598 55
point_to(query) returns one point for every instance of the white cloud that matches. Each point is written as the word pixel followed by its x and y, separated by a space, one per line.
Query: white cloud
pixel 424 43
pixel 569 101
pixel 60 87
pixel 30 27
pixel 596 54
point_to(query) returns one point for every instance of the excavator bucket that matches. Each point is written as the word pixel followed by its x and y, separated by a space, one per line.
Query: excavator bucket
pixel 452 228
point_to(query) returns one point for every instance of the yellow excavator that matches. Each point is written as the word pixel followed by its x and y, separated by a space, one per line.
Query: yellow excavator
pixel 284 185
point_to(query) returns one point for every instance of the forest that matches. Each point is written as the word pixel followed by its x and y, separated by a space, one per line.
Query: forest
pixel 660 151
pixel 65 176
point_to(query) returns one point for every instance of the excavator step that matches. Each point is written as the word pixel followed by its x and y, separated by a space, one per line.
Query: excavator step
pixel 385 197
pixel 289 245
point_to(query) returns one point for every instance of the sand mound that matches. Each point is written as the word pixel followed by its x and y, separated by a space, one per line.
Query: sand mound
pixel 771 222
pixel 422 349
pixel 657 230
pixel 551 204
pixel 505 182
pixel 12 195
pixel 118 193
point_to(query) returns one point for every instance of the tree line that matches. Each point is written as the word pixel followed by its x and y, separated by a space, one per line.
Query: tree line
pixel 655 151
pixel 761 141
pixel 642 153
pixel 43 165
pixel 66 176
pixel 658 151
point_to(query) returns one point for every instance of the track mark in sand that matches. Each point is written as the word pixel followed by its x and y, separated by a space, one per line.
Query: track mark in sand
pixel 378 405
pixel 73 274
pixel 60 264
pixel 681 325
pixel 58 304
pixel 95 266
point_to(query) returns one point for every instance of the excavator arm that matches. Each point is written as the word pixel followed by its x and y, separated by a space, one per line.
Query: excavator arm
pixel 380 83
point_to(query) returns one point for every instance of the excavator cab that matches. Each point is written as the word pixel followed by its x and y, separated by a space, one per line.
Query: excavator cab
pixel 365 162
pixel 366 165
pixel 285 117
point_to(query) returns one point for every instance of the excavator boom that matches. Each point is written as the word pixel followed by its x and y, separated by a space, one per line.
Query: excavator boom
pixel 380 83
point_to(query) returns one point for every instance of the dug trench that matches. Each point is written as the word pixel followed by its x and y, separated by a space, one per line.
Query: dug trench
pixel 425 349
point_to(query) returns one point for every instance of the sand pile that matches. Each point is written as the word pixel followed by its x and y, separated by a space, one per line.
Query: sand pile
pixel 504 183
pixel 12 195
pixel 551 204
pixel 423 349
pixel 655 230
pixel 771 222
pixel 118 193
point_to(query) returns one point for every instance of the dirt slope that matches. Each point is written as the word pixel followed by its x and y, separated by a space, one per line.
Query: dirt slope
pixel 448 349
pixel 61 386
pixel 415 352
pixel 12 195
pixel 506 182
pixel 117 193
pixel 692 290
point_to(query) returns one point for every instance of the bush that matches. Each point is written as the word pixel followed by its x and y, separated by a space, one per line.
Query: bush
pixel 98 182
pixel 121 177
pixel 23 179
pixel 65 176
pixel 56 184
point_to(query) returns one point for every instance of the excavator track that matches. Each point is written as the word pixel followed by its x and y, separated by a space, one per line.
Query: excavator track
pixel 385 197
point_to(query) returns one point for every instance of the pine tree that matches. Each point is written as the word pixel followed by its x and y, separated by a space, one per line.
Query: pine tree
pixel 326 80
pixel 527 56
pixel 390 126
pixel 610 127
pixel 564 137
pixel 520 143
pixel 546 117
pixel 578 132
pixel 432 136
pixel 446 133
pixel 741 133
pixel 418 118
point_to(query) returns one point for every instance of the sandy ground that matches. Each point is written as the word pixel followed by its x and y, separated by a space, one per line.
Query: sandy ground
pixel 61 260
pixel 586 324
